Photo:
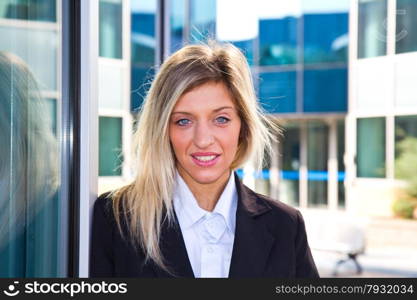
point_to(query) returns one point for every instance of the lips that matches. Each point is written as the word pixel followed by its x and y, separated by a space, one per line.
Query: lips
pixel 205 159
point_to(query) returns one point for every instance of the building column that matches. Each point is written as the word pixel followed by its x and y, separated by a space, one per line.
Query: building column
pixel 332 179
pixel 274 171
pixel 303 165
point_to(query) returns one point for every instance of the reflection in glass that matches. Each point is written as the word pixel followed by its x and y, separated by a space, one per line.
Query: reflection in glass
pixel 143 45
pixel 370 147
pixel 290 176
pixel 372 29
pixel 29 176
pixel 141 78
pixel 325 90
pixel 143 32
pixel 317 157
pixel 41 57
pixel 110 28
pixel 202 20
pixel 405 139
pixel 278 41
pixel 325 37
pixel 277 92
pixel 38 10
pixel 406 36
pixel 110 146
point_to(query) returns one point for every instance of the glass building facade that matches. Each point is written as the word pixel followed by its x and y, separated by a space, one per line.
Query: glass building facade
pixel 383 102
pixel 298 55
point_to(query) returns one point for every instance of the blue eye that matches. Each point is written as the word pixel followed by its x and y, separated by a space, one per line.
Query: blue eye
pixel 183 122
pixel 222 120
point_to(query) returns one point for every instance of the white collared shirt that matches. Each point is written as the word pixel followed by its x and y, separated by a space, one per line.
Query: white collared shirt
pixel 208 236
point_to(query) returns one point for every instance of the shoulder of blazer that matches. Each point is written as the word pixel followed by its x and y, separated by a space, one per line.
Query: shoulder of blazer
pixel 103 204
pixel 103 211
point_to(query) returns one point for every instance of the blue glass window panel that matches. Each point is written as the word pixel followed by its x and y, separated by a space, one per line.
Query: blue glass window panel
pixel 277 92
pixel 278 41
pixel 143 37
pixel 326 37
pixel 141 79
pixel 325 90
pixel 177 23
pixel 247 48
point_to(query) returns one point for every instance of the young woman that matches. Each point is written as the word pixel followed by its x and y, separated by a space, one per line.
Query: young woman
pixel 187 213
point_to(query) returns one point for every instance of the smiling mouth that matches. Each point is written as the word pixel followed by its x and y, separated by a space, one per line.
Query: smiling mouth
pixel 205 158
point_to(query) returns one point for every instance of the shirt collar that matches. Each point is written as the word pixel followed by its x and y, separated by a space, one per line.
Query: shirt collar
pixel 227 203
pixel 189 212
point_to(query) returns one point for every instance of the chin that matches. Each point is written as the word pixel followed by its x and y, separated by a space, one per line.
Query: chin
pixel 206 176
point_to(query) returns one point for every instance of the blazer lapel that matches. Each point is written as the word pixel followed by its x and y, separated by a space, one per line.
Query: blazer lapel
pixel 174 252
pixel 253 242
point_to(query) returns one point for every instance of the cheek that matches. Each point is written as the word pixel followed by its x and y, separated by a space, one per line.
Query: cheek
pixel 178 140
pixel 231 139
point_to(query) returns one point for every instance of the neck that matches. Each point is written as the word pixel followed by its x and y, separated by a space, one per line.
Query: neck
pixel 206 194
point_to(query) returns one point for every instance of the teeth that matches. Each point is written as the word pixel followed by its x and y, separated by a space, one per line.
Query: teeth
pixel 205 158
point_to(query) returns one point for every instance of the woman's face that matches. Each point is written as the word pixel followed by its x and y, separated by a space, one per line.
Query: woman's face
pixel 204 132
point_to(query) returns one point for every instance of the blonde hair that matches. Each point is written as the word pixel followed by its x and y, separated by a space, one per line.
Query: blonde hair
pixel 142 204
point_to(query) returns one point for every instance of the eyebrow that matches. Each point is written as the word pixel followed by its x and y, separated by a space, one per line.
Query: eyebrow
pixel 214 110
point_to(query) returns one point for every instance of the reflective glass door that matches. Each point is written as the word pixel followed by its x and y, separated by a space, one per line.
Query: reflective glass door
pixel 33 214
pixel 317 159
pixel 311 163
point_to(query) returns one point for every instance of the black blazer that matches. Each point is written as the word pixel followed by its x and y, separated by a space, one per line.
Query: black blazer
pixel 270 241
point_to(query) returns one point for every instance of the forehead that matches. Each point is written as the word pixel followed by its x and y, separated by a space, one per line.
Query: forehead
pixel 208 96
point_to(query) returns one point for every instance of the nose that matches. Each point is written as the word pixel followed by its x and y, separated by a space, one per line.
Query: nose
pixel 203 136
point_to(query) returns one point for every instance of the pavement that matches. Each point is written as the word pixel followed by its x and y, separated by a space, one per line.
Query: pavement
pixel 393 262
pixel 376 262
pixel 390 244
